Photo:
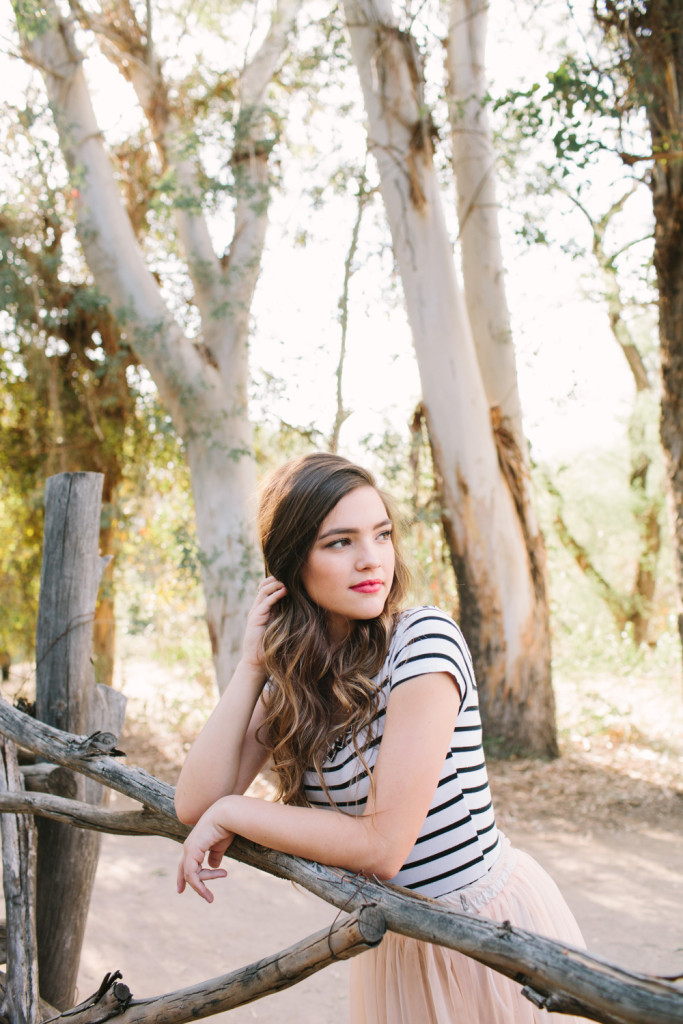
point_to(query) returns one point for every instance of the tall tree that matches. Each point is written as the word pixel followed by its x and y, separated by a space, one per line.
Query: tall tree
pixel 648 36
pixel 202 378
pixel 474 165
pixel 471 406
pixel 589 153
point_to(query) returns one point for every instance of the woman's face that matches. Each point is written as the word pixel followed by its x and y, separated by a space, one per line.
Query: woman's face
pixel 350 568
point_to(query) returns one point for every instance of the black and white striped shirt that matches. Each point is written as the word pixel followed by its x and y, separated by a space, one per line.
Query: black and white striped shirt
pixel 459 841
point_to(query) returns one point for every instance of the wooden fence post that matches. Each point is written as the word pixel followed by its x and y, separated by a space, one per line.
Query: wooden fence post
pixel 67 698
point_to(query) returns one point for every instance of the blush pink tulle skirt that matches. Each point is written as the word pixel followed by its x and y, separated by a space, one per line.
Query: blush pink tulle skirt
pixel 404 981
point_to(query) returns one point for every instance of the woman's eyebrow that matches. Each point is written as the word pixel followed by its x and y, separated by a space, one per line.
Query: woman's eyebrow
pixel 351 529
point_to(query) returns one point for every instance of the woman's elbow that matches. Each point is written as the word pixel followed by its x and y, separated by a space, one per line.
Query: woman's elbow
pixel 185 809
pixel 385 868
pixel 385 859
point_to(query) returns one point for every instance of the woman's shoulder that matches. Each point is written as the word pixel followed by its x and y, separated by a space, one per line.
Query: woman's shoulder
pixel 424 622
pixel 427 639
pixel 422 615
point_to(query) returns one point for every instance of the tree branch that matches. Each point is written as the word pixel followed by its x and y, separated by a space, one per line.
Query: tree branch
pixel 363 197
pixel 254 139
pixel 46 1010
pixel 85 754
pixel 344 939
pixel 121 41
pixel 619 607
pixel 219 284
pixel 82 815
pixel 612 291
pixel 104 228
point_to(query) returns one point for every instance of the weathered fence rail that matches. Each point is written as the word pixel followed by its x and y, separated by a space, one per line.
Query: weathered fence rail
pixel 561 978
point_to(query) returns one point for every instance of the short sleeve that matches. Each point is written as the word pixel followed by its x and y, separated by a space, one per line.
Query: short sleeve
pixel 427 640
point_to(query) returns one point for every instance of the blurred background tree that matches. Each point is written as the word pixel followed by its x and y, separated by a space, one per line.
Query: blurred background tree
pixel 602 132
pixel 190 108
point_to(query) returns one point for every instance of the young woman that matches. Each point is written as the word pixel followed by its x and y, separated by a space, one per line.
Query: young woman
pixel 369 715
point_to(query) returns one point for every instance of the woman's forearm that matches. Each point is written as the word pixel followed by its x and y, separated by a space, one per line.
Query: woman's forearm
pixel 212 766
pixel 356 843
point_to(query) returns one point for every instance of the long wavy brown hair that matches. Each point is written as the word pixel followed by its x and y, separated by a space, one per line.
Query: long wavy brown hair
pixel 317 691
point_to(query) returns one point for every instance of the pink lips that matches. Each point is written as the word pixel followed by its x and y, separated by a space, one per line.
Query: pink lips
pixel 368 587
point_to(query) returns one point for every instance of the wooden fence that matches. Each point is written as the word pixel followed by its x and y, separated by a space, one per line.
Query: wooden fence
pixel 72 768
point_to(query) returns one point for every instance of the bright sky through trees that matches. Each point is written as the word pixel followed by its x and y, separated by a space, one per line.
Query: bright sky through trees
pixel 574 387
pixel 576 390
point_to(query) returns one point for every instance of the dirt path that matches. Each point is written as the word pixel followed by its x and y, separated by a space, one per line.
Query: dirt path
pixel 161 941
pixel 606 820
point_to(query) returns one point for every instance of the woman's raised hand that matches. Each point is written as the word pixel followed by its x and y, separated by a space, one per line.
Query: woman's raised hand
pixel 270 591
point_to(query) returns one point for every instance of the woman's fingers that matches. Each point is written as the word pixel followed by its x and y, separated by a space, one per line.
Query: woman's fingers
pixel 216 855
pixel 208 839
pixel 269 583
pixel 195 877
pixel 270 591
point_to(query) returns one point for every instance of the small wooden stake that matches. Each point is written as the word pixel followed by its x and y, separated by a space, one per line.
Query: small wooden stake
pixel 20 1003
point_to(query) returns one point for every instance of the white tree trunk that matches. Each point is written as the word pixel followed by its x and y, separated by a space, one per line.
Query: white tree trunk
pixel 474 161
pixel 503 608
pixel 474 168
pixel 204 386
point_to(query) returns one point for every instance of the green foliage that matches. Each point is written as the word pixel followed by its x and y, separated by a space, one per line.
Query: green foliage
pixel 580 95
pixel 20 560
pixel 72 396
pixel 599 509
pixel 158 571
pixel 583 107
pixel 32 17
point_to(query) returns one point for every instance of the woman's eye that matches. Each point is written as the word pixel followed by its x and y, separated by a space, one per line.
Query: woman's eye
pixel 340 543
pixel 385 535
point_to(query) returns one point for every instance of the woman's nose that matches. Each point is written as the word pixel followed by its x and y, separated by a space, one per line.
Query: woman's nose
pixel 367 556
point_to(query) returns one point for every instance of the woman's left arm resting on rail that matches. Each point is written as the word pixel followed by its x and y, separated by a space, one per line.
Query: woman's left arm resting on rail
pixel 421 713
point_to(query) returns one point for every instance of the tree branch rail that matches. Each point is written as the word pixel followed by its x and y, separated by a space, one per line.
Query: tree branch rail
pixel 561 978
